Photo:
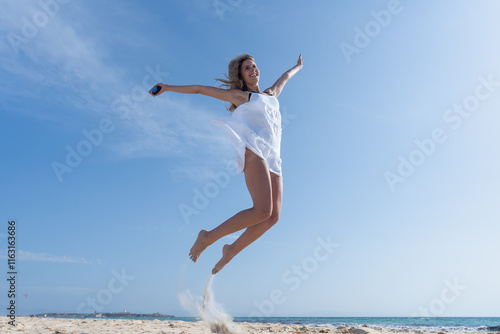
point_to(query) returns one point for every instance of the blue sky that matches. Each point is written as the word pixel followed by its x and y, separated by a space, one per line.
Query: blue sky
pixel 390 156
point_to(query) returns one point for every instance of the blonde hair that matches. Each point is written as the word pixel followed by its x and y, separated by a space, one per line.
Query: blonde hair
pixel 234 80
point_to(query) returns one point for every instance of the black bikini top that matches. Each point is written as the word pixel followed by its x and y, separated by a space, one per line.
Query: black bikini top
pixel 257 93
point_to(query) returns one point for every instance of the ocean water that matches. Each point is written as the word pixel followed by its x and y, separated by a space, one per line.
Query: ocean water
pixel 462 324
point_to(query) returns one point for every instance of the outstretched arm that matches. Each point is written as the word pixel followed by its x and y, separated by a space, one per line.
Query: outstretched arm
pixel 234 96
pixel 281 82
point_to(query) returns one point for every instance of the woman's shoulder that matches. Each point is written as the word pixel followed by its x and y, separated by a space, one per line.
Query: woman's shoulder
pixel 272 92
pixel 243 96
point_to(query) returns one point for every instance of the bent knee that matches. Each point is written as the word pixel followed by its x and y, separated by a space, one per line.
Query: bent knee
pixel 273 218
pixel 263 212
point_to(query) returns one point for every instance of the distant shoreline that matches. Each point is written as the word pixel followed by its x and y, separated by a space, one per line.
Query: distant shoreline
pixel 102 315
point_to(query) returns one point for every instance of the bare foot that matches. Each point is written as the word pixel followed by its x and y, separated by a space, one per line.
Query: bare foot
pixel 226 257
pixel 199 245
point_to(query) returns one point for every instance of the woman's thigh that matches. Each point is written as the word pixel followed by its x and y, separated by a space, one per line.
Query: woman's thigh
pixel 277 193
pixel 258 181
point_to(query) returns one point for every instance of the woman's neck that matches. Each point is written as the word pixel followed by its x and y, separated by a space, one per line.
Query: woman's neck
pixel 254 88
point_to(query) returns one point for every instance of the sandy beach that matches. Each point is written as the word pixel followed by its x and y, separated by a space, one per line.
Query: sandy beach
pixel 126 326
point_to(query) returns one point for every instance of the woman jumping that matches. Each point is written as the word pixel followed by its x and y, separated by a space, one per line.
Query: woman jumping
pixel 254 127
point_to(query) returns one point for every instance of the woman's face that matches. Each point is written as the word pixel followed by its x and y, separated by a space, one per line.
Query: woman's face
pixel 249 72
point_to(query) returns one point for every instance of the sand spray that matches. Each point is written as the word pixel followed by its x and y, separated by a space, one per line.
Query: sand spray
pixel 213 315
pixel 208 310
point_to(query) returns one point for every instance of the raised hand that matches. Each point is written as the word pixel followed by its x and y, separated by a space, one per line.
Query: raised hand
pixel 162 89
pixel 300 62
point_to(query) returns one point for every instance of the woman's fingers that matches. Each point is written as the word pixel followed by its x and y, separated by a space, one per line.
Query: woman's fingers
pixel 301 60
pixel 156 90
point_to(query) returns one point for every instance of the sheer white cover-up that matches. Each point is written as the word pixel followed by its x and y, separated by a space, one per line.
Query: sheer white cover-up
pixel 255 124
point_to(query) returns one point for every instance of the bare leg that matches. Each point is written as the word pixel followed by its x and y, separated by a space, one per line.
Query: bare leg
pixel 254 232
pixel 258 183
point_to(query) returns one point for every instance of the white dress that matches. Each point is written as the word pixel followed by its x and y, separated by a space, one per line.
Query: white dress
pixel 255 124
